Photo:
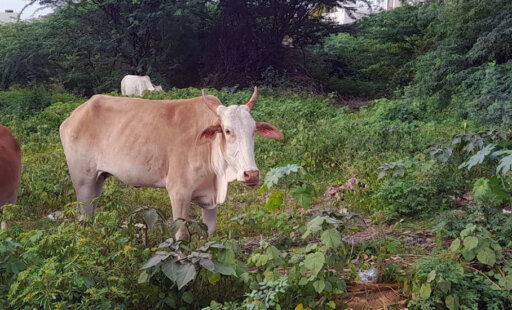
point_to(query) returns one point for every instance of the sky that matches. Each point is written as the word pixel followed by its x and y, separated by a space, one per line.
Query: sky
pixel 17 5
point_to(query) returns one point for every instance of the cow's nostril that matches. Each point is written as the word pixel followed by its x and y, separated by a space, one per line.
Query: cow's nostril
pixel 251 175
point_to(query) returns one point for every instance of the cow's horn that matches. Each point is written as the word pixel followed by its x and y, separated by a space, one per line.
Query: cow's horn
pixel 253 99
pixel 211 105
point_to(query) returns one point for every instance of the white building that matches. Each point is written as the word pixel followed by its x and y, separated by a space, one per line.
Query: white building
pixel 8 17
pixel 349 13
pixel 388 5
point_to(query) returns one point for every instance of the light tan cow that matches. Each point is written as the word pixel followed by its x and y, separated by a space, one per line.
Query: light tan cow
pixel 192 147
pixel 10 167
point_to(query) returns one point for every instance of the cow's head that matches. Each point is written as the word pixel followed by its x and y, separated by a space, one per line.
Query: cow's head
pixel 237 128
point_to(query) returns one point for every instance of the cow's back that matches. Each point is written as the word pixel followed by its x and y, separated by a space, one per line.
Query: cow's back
pixel 10 167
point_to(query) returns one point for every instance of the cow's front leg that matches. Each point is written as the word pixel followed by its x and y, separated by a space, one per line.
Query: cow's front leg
pixel 180 209
pixel 210 219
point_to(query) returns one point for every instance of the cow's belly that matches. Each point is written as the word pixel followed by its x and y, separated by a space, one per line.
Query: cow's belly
pixel 139 180
pixel 135 174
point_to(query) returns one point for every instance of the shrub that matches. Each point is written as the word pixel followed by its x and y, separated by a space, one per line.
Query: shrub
pixel 441 283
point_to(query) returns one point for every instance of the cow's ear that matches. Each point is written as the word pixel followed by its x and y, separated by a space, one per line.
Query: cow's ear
pixel 209 134
pixel 268 131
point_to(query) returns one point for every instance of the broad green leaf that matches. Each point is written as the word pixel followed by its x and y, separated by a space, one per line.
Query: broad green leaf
pixel 431 276
pixel 213 277
pixel 304 195
pixel 505 164
pixel 478 158
pixel 303 281
pixel 311 247
pixel 168 268
pixel 455 245
pixel 227 257
pixel 290 168
pixel 275 200
pixel 506 282
pixel 269 275
pixel 470 242
pixel 331 238
pixel 319 286
pixel 185 274
pixel 245 277
pixel 468 230
pixel 14 265
pixel 314 262
pixel 188 297
pixel 224 269
pixel 207 264
pixel 200 229
pixel 489 191
pixel 468 255
pixel 486 256
pixel 272 177
pixel 273 252
pixel 36 236
pixel 313 226
pixel 425 290
pixel 181 274
pixel 173 229
pixel 452 302
pixel 156 259
pixel 150 217
pixel 444 286
pixel 143 277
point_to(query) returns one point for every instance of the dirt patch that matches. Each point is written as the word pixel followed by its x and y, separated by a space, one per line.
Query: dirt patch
pixel 375 296
pixel 422 241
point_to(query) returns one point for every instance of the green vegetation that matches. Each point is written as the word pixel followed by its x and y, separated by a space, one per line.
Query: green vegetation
pixel 61 262
pixel 416 184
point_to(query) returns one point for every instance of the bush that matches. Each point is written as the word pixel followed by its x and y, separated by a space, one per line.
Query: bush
pixel 441 283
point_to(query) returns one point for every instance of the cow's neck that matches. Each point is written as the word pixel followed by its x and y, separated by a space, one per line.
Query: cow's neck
pixel 224 174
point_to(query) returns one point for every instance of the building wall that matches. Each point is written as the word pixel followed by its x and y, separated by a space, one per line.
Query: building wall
pixel 8 17
pixel 388 5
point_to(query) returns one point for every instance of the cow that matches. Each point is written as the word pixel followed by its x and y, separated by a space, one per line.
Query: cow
pixel 192 147
pixel 134 85
pixel 10 167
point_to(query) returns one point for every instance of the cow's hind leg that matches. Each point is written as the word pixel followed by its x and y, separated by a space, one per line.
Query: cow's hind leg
pixel 86 191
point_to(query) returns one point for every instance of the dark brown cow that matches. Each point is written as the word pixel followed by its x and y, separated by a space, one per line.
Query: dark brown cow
pixel 10 167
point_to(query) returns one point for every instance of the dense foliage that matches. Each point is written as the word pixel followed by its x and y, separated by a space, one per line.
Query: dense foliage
pixel 449 52
pixel 407 158
pixel 88 46
pixel 434 162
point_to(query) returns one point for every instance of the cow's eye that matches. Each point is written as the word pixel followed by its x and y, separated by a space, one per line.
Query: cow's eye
pixel 227 131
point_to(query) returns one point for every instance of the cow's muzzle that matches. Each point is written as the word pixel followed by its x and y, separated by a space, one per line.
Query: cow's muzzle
pixel 251 177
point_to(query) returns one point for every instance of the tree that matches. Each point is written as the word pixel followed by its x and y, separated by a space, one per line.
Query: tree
pixel 247 38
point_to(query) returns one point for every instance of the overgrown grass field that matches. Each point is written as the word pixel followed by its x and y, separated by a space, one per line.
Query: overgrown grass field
pixel 282 245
